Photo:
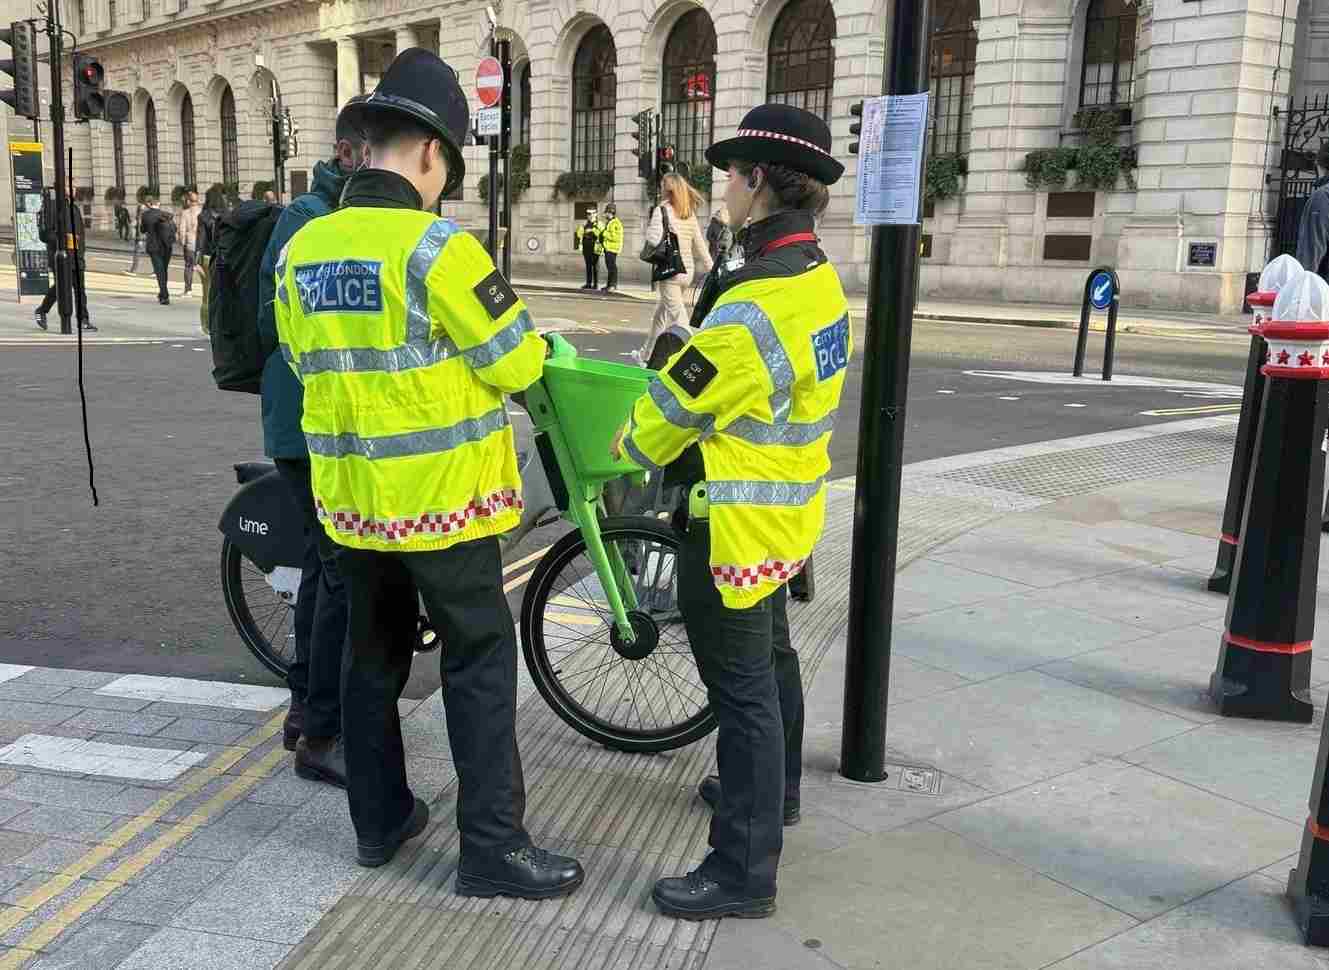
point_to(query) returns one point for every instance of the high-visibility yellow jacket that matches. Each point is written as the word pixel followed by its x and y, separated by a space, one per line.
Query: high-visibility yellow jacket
pixel 757 387
pixel 406 338
pixel 597 234
pixel 612 235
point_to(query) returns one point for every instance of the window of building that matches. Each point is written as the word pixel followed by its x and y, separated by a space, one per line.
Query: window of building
pixel 688 95
pixel 150 141
pixel 801 67
pixel 594 96
pixel 118 144
pixel 230 141
pixel 1108 76
pixel 524 117
pixel 110 14
pixel 953 51
pixel 187 140
pixel 81 16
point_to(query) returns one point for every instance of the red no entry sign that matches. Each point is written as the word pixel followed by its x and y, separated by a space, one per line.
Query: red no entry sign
pixel 489 81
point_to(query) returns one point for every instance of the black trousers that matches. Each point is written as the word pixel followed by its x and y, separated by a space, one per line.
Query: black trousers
pixel 320 615
pixel 611 264
pixel 592 268
pixel 755 688
pixel 80 295
pixel 189 268
pixel 462 588
pixel 161 264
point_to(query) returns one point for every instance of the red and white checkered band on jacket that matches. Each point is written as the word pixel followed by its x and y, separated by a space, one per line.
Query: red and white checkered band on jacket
pixel 773 570
pixel 429 523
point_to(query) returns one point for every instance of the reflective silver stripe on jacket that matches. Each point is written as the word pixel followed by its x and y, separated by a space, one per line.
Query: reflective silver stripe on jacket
pixel 426 252
pixel 784 433
pixel 675 413
pixel 762 493
pixel 778 364
pixel 280 273
pixel 432 442
pixel 500 344
pixel 348 360
pixel 632 451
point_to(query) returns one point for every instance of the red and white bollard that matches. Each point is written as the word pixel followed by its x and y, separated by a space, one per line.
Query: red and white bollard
pixel 1275 275
pixel 1264 659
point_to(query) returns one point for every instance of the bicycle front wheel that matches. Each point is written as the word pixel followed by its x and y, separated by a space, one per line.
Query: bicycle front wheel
pixel 641 696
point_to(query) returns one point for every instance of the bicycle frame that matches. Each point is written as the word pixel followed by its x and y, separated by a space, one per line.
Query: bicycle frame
pixel 585 503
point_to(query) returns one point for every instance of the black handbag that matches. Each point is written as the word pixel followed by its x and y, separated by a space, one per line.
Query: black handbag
pixel 668 257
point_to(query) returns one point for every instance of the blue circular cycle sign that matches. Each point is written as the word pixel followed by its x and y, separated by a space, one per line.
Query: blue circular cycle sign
pixel 1100 291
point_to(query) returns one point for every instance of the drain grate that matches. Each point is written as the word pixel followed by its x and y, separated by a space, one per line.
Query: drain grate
pixel 1078 471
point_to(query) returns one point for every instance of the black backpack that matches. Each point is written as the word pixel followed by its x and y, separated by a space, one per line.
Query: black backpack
pixel 238 350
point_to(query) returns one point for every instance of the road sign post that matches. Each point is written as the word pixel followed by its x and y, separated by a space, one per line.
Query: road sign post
pixel 1102 291
pixel 489 89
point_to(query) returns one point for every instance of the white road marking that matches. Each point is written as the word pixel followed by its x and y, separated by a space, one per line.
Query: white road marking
pixel 1075 405
pixel 99 758
pixel 945 392
pixel 1008 399
pixel 1204 388
pixel 181 690
pixel 10 671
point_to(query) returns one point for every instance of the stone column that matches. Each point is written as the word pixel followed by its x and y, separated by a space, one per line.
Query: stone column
pixel 348 69
pixel 407 38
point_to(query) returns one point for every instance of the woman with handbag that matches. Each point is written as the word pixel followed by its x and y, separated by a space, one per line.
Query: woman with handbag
pixel 673 238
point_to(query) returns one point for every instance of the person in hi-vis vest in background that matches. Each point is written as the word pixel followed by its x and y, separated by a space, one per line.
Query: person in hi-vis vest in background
pixel 742 417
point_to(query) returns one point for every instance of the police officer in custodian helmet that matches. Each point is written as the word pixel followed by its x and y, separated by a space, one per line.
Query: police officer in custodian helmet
pixel 406 338
pixel 742 415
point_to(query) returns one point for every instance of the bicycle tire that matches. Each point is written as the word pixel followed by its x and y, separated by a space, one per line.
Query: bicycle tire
pixel 545 668
pixel 251 631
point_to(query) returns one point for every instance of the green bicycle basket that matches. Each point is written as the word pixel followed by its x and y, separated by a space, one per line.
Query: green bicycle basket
pixel 593 399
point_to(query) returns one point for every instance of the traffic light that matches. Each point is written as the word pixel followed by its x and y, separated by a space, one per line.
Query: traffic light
pixel 89 79
pixel 642 136
pixel 21 36
pixel 664 159
pixel 856 110
pixel 117 107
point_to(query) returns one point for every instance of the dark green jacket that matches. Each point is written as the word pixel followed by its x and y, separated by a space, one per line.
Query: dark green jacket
pixel 283 396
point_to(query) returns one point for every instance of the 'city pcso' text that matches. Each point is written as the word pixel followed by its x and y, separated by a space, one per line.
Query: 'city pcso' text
pixel 343 286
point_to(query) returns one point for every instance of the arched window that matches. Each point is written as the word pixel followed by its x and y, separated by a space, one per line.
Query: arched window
pixel 594 95
pixel 230 142
pixel 951 75
pixel 118 144
pixel 150 141
pixel 524 118
pixel 1109 57
pixel 688 95
pixel 187 140
pixel 801 68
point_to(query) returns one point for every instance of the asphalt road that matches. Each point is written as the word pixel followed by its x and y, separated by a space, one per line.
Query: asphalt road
pixel 132 585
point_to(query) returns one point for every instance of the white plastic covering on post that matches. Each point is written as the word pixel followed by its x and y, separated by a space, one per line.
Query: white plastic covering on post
pixel 1302 299
pixel 1275 275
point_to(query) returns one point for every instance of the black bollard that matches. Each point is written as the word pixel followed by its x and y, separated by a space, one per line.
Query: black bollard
pixel 1252 396
pixel 1308 884
pixel 1264 659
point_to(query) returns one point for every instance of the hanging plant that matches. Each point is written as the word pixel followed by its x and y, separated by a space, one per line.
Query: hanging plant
pixel 584 186
pixel 178 194
pixel 114 194
pixel 701 177
pixel 520 164
pixel 941 176
pixel 262 186
pixel 1098 164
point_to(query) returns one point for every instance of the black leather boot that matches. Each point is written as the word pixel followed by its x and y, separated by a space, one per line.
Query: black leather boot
pixel 375 854
pixel 697 896
pixel 293 725
pixel 526 873
pixel 321 759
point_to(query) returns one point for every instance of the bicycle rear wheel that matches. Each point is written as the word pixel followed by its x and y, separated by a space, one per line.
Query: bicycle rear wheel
pixel 641 696
pixel 262 607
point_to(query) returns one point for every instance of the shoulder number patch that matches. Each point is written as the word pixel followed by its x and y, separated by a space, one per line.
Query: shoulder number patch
pixel 340 286
pixel 830 348
pixel 495 295
pixel 693 372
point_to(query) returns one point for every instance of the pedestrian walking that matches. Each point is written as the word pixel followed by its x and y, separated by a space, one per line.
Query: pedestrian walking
pixel 186 231
pixel 612 240
pixel 678 204
pixel 122 220
pixel 1313 229
pixel 719 236
pixel 313 723
pixel 157 230
pixel 742 417
pixel 587 237
pixel 52 234
pixel 406 338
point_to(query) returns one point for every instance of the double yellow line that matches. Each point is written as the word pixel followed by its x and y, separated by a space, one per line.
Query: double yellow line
pixel 29 946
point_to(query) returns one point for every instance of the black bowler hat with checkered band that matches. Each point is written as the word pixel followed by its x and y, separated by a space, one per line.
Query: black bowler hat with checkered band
pixel 421 86
pixel 780 134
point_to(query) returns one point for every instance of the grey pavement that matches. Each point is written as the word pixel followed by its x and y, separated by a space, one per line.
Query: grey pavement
pixel 1062 793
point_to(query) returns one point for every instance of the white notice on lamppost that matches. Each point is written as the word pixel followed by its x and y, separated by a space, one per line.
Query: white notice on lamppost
pixel 890 160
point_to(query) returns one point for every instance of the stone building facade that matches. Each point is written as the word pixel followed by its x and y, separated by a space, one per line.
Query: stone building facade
pixel 1177 94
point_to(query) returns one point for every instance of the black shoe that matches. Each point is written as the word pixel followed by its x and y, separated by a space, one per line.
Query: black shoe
pixel 40 320
pixel 164 301
pixel 697 896
pixel 87 325
pixel 526 873
pixel 709 790
pixel 321 759
pixel 374 855
pixel 293 725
